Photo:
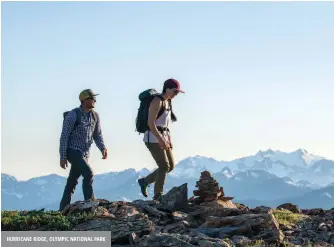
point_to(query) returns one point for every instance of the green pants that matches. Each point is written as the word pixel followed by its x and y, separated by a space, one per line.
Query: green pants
pixel 79 167
pixel 165 162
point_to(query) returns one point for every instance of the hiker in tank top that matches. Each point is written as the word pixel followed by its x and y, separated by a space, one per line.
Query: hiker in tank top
pixel 158 139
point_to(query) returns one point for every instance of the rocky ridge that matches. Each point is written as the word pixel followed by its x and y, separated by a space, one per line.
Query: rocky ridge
pixel 209 220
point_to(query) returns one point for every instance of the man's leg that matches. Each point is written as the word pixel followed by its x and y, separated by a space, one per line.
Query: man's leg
pixel 83 168
pixel 71 184
pixel 87 182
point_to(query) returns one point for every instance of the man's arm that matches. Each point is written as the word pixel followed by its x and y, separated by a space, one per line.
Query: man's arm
pixel 68 126
pixel 97 135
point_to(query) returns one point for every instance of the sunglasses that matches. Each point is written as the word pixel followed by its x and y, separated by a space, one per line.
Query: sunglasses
pixel 92 99
pixel 176 91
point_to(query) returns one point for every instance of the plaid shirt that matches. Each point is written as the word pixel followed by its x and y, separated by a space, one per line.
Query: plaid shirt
pixel 80 137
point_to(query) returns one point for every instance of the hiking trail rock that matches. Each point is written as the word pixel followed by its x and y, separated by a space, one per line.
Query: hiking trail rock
pixel 254 226
pixel 290 207
pixel 175 199
pixel 213 220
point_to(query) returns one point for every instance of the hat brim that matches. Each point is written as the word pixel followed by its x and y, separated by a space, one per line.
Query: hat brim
pixel 180 91
pixel 90 96
pixel 93 95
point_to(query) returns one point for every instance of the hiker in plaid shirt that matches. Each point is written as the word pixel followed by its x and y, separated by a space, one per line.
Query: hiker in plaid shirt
pixel 80 128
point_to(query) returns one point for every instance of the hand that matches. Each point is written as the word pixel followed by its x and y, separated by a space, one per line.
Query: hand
pixel 171 145
pixel 163 144
pixel 104 153
pixel 63 164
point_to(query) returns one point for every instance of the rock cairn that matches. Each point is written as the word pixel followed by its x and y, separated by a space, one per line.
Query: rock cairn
pixel 208 190
pixel 146 224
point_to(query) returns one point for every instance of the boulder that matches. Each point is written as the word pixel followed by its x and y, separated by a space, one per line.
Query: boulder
pixel 219 203
pixel 134 239
pixel 291 207
pixel 176 199
pixel 121 229
pixel 165 239
pixel 314 211
pixel 80 206
pixel 261 210
pixel 100 211
pixel 241 206
pixel 202 212
pixel 126 211
pixel 180 227
pixel 254 226
pixel 179 216
pixel 152 211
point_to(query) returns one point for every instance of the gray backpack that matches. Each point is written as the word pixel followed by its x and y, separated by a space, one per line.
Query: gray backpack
pixel 78 112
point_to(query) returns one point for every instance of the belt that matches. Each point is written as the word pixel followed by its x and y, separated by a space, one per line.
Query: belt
pixel 162 129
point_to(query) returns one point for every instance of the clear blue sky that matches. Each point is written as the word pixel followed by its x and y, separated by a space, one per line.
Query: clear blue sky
pixel 256 76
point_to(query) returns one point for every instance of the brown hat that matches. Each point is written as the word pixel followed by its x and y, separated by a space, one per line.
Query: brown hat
pixel 86 94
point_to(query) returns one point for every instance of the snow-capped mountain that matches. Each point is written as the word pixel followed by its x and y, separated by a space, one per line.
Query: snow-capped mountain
pixel 321 172
pixel 8 182
pixel 33 194
pixel 256 176
pixel 48 189
pixel 298 165
pixel 276 162
pixel 193 166
pixel 258 184
pixel 112 179
pixel 262 186
pixel 299 158
pixel 143 172
pixel 227 172
pixel 267 175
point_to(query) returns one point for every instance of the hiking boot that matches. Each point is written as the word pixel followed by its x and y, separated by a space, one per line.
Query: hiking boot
pixel 143 186
pixel 158 198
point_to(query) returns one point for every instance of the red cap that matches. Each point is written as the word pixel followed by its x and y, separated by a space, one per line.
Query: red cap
pixel 172 83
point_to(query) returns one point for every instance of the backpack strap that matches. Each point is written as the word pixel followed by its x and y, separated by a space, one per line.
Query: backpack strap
pixel 78 112
pixel 79 115
pixel 94 113
pixel 163 108
pixel 161 111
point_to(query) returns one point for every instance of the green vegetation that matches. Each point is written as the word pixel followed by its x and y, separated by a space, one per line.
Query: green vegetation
pixel 40 220
pixel 286 217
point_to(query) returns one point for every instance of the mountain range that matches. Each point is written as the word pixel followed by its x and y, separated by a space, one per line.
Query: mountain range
pixel 267 178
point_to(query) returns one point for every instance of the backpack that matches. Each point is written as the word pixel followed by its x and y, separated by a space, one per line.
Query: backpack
pixel 78 112
pixel 146 98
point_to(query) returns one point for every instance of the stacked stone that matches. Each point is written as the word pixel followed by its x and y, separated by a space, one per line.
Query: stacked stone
pixel 208 189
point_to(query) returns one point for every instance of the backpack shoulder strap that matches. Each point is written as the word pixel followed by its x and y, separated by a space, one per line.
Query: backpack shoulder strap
pixel 163 107
pixel 78 112
pixel 94 115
